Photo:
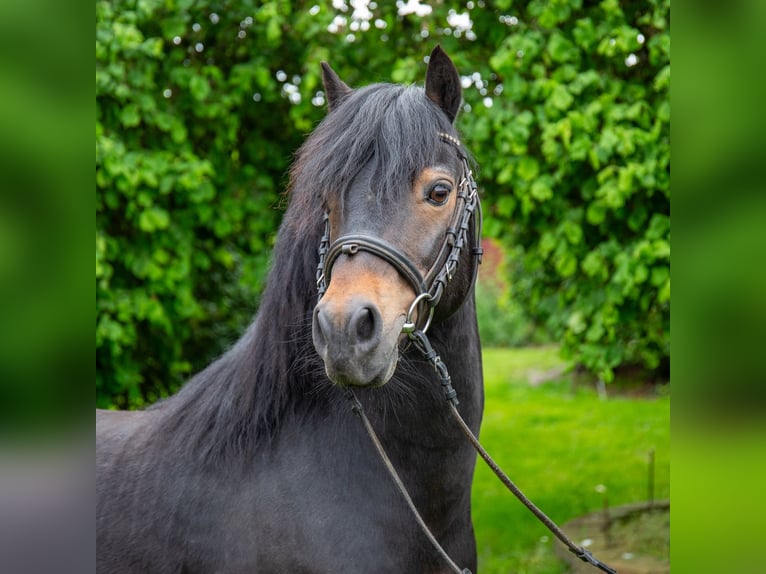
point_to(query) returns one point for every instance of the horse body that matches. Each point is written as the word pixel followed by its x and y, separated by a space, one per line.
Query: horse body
pixel 259 464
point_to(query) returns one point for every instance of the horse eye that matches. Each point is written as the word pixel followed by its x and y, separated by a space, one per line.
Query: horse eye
pixel 439 194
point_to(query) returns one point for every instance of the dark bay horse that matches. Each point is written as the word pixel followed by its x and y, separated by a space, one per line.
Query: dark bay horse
pixel 258 463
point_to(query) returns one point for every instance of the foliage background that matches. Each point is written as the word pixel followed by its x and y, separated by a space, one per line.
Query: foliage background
pixel 201 104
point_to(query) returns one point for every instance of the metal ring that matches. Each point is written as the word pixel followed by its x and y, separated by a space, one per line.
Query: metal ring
pixel 410 325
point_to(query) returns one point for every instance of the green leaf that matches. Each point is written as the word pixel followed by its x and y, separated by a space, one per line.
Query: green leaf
pixel 547 243
pixel 199 88
pixel 659 226
pixel 579 148
pixel 572 231
pixel 661 249
pixel 561 98
pixel 561 49
pixel 595 332
pixel 153 219
pixel 596 213
pixel 660 275
pixel 541 190
pixel 662 79
pixel 593 264
pixel 576 322
pixel 505 205
pixel 173 25
pixel 663 295
pixel 584 33
pixel 565 262
pixel 203 192
pixel 641 273
pixel 528 168
pixel 584 80
pixel 129 116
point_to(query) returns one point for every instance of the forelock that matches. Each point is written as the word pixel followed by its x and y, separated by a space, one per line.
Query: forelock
pixel 389 129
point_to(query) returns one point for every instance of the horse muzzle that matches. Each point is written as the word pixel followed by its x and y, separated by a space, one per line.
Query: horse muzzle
pixel 352 339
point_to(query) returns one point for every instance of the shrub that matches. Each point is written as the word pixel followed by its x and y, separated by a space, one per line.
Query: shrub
pixel 502 321
pixel 186 190
pixel 575 158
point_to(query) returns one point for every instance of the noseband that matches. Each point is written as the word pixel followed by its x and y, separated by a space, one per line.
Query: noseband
pixel 428 289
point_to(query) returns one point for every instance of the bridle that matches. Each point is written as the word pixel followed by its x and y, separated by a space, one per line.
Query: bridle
pixel 429 291
pixel 429 288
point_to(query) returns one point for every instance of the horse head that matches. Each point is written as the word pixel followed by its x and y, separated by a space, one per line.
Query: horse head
pixel 400 203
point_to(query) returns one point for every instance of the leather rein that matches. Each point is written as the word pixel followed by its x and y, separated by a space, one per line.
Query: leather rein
pixel 429 291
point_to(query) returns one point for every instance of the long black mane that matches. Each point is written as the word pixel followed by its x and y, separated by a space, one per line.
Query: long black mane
pixel 273 371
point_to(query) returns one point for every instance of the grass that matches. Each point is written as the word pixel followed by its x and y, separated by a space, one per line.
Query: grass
pixel 566 448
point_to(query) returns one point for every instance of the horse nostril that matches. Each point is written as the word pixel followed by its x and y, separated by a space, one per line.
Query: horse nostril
pixel 321 326
pixel 365 325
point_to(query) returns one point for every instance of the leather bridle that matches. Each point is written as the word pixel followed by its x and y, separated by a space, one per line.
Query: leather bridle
pixel 429 288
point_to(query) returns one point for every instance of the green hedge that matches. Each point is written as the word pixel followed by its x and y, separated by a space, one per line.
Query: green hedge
pixel 187 188
pixel 576 158
pixel 200 106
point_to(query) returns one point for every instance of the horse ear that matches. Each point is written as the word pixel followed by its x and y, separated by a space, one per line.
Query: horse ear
pixel 443 83
pixel 335 88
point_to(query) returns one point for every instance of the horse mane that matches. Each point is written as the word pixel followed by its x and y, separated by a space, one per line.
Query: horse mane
pixel 239 400
pixel 273 371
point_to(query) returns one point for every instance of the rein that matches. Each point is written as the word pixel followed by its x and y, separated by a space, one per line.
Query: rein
pixel 421 342
pixel 429 291
pixel 424 346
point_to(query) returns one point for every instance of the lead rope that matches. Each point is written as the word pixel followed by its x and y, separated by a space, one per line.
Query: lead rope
pixel 580 552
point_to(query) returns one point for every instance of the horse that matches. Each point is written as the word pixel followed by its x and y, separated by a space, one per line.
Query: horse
pixel 258 463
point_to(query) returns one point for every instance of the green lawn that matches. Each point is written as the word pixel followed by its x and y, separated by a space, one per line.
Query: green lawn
pixel 561 444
